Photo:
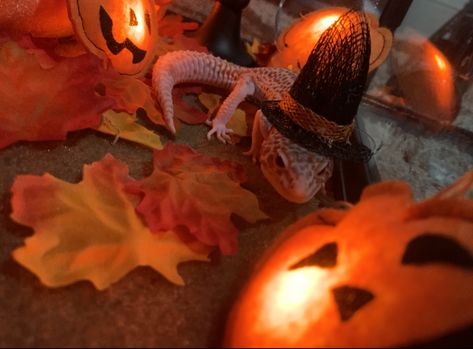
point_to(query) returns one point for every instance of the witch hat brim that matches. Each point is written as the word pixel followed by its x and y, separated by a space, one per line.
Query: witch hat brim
pixel 311 141
pixel 319 110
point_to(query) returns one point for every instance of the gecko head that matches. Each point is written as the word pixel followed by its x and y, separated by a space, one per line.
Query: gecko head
pixel 296 173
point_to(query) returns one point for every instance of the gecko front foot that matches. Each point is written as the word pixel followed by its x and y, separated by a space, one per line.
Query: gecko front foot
pixel 222 132
pixel 253 153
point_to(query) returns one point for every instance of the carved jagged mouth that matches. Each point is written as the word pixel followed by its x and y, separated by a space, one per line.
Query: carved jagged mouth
pixel 115 47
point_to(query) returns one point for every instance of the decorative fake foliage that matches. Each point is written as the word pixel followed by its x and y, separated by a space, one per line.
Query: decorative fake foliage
pixel 197 192
pixel 40 18
pixel 93 231
pixel 389 272
pixel 172 38
pixel 43 98
pixel 130 94
pixel 90 230
pixel 185 111
pixel 173 25
pixel 123 125
pixel 38 104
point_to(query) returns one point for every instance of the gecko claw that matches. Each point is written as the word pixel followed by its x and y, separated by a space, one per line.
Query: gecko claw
pixel 222 133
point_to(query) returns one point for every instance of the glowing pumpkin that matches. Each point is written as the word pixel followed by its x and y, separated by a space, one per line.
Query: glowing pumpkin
pixel 387 272
pixel 296 42
pixel 425 77
pixel 124 31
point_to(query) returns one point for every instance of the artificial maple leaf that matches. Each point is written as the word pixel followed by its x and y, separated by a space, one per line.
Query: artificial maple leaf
pixel 130 94
pixel 184 110
pixel 90 230
pixel 172 25
pixel 172 37
pixel 198 192
pixel 38 104
pixel 237 123
pixel 124 125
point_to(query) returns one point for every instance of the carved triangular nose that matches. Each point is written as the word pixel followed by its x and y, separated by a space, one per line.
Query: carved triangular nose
pixel 350 300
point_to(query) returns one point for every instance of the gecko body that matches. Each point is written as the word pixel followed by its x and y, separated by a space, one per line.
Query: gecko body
pixel 296 173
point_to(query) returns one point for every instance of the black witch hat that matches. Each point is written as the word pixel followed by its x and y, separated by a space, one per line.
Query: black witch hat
pixel 319 110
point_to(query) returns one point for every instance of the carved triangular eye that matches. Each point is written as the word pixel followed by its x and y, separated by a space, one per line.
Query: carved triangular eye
pixel 350 300
pixel 431 248
pixel 324 257
pixel 133 19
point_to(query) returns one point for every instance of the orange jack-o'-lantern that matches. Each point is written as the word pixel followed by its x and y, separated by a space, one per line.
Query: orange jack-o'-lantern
pixel 387 272
pixel 296 42
pixel 124 31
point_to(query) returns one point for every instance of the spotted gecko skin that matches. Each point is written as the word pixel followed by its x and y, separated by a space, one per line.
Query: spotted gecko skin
pixel 295 173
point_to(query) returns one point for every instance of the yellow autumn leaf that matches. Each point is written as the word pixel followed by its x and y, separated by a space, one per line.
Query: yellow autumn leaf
pixel 238 120
pixel 124 125
pixel 253 48
pixel 90 230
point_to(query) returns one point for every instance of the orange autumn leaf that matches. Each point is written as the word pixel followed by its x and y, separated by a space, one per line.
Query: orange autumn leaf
pixel 198 192
pixel 131 94
pixel 38 104
pixel 90 230
pixel 185 108
pixel 172 25
pixel 173 38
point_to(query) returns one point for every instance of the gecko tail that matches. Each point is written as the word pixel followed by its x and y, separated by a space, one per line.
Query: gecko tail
pixel 188 66
pixel 163 83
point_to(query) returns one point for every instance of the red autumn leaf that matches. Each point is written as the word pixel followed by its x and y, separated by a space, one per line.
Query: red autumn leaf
pixel 38 104
pixel 131 94
pixel 172 37
pixel 185 111
pixel 172 25
pixel 197 192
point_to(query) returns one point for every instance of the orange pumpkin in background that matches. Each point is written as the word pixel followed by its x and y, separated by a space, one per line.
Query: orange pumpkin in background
pixel 123 31
pixel 296 42
pixel 387 272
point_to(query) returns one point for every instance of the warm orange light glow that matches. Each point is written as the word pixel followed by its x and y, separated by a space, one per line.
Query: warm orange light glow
pixel 324 22
pixel 441 63
pixel 443 78
pixel 293 299
pixel 298 41
pixel 137 32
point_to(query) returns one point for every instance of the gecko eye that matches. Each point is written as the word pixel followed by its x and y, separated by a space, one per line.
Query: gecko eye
pixel 279 161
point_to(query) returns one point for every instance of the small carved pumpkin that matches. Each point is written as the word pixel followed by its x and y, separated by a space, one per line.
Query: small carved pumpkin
pixel 387 272
pixel 124 31
pixel 295 44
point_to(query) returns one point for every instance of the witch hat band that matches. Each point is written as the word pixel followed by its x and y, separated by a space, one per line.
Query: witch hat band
pixel 319 110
